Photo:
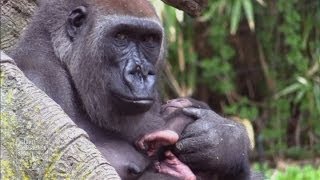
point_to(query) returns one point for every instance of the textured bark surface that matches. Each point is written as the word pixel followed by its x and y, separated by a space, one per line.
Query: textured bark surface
pixel 38 140
pixel 191 7
pixel 15 15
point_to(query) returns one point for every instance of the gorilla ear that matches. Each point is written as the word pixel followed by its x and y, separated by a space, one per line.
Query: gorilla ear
pixel 75 20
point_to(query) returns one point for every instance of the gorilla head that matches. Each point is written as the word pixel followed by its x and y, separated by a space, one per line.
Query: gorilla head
pixel 112 50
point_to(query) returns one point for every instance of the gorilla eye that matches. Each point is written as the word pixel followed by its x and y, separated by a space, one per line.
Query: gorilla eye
pixel 121 36
pixel 121 39
pixel 150 40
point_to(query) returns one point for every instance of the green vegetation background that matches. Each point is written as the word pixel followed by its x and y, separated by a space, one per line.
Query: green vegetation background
pixel 256 60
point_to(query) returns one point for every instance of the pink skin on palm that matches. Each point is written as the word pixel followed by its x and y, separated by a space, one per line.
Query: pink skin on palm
pixel 171 165
pixel 174 167
pixel 169 136
pixel 153 141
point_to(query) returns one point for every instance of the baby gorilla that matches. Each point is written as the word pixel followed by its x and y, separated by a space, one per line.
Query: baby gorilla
pixel 160 143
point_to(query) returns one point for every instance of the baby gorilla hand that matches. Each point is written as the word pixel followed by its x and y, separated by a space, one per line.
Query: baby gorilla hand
pixel 174 167
pixel 169 134
pixel 175 104
pixel 153 141
pixel 170 164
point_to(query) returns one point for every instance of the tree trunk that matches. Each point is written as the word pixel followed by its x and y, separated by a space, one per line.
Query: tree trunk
pixel 38 140
pixel 15 15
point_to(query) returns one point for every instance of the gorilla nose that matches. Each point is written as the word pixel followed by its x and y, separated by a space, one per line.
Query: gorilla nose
pixel 140 77
pixel 142 70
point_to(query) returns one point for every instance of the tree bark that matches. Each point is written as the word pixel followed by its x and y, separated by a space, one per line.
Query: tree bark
pixel 38 140
pixel 15 15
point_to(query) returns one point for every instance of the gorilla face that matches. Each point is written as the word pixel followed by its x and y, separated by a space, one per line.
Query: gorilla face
pixel 118 69
pixel 135 46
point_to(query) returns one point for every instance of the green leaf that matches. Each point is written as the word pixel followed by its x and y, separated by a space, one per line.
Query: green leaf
pixel 290 89
pixel 303 81
pixel 248 9
pixel 235 16
pixel 316 92
pixel 300 95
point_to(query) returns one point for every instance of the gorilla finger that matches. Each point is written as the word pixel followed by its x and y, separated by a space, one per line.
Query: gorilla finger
pixel 166 136
pixel 153 141
pixel 194 159
pixel 189 145
pixel 151 152
pixel 167 109
pixel 169 155
pixel 175 104
pixel 197 128
pixel 140 144
pixel 182 103
pixel 165 169
pixel 195 112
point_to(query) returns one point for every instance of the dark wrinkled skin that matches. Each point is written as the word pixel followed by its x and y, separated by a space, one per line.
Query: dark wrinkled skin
pixel 100 61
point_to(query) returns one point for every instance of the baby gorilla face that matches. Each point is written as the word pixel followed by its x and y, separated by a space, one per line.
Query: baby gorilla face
pixel 154 142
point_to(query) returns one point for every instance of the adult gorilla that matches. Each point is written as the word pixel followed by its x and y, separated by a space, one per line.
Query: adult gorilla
pixel 99 60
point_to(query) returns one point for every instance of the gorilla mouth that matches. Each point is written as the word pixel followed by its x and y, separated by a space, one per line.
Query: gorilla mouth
pixel 132 105
pixel 136 100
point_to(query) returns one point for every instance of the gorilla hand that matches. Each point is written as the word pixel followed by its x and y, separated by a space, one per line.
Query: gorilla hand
pixel 171 165
pixel 192 7
pixel 176 121
pixel 154 141
pixel 213 143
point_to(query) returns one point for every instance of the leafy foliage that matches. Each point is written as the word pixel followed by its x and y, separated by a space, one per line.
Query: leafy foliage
pixel 256 59
pixel 292 172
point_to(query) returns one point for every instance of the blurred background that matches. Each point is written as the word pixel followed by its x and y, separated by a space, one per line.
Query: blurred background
pixel 258 62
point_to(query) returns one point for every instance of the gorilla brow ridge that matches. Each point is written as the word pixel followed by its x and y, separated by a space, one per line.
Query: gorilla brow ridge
pixel 105 22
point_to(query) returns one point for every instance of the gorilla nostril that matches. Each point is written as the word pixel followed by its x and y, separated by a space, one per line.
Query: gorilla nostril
pixel 132 72
pixel 151 73
pixel 134 169
pixel 138 68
